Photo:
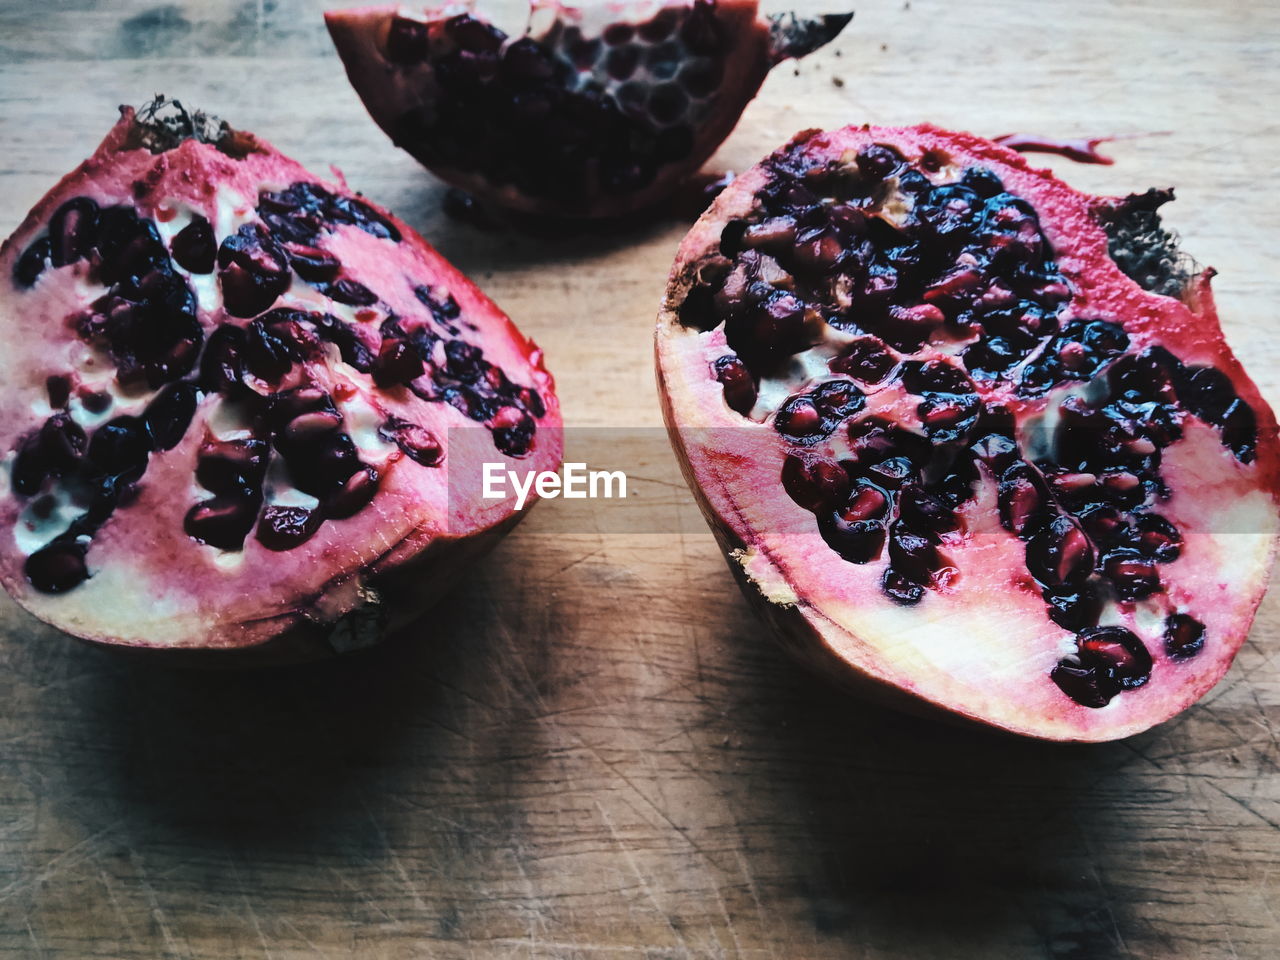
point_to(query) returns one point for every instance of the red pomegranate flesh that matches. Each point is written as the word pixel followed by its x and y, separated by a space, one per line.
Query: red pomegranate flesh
pixel 234 395
pixel 968 436
pixel 593 111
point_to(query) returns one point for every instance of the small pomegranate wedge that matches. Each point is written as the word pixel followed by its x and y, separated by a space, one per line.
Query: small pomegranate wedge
pixel 595 111
pixel 234 395
pixel 970 438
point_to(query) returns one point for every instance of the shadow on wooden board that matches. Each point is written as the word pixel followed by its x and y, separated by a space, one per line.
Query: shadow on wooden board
pixel 874 822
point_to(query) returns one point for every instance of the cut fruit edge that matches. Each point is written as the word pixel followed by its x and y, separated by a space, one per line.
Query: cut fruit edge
pixel 886 653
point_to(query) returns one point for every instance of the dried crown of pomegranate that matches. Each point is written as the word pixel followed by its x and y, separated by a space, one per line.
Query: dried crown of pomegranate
pixel 594 111
pixel 235 394
pixel 970 435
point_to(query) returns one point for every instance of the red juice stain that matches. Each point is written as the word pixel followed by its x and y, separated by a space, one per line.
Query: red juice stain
pixel 1081 149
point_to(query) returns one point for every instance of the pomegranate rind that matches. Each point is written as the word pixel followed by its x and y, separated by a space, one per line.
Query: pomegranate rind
pixel 389 92
pixel 982 650
pixel 153 587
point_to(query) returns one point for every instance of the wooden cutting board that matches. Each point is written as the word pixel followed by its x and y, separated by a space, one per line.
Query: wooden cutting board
pixel 592 750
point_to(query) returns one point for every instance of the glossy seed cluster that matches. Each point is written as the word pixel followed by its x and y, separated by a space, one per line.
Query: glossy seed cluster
pixel 253 362
pixel 564 114
pixel 935 281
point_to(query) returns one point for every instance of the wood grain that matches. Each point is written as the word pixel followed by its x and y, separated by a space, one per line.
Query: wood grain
pixel 592 750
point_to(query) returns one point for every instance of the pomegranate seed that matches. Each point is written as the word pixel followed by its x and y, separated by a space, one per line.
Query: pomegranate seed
pixel 397 363
pixel 1071 483
pixel 1073 606
pixel 891 472
pixel 120 448
pixel 57 567
pixel 815 484
pixel 283 528
pixel 877 162
pixel 1158 538
pixel 1060 553
pixel 72 231
pixel 253 271
pixel 865 503
pixel 773 232
pixel 230 466
pixel 901 589
pixel 309 425
pixel 62 442
pixel 222 366
pixel 858 541
pixel 925 510
pixel 1022 498
pixel 1183 636
pixel 417 442
pixel 739 388
pixel 194 247
pixel 997 451
pixel 962 281
pixel 32 263
pixel 169 414
pixel 1120 481
pixel 312 264
pixel 617 34
pixel 224 521
pixel 355 494
pixel 799 418
pixel 916 323
pixel 864 359
pixel 1108 660
pixel 913 556
pixel 95 401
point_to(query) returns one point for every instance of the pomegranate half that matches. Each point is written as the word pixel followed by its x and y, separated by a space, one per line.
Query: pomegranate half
pixel 234 396
pixel 970 438
pixel 596 110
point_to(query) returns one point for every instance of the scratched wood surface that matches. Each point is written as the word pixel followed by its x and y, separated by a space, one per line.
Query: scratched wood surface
pixel 591 750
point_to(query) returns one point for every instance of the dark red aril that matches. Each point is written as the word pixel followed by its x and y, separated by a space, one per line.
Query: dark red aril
pixel 739 387
pixel 1060 553
pixel 417 442
pixel 1183 636
pixel 864 359
pixel 169 414
pixel 856 540
pixel 1108 660
pixel 224 520
pixel 253 271
pixel 397 363
pixel 283 528
pixel 229 466
pixel 354 494
pixel 57 568
pixel 815 484
pixel 194 247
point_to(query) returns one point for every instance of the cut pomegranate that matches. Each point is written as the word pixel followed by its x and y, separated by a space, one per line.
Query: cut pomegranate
pixel 234 397
pixel 594 111
pixel 969 436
